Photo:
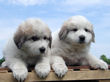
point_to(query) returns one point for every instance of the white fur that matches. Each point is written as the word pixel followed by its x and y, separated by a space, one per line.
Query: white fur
pixel 68 50
pixel 18 59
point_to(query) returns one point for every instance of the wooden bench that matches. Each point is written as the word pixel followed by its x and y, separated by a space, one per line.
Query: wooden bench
pixel 75 73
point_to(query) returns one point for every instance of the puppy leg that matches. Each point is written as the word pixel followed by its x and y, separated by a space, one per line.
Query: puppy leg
pixel 96 63
pixel 58 65
pixel 18 68
pixel 43 67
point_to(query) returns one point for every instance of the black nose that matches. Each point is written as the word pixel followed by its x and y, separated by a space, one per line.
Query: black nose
pixel 82 38
pixel 42 49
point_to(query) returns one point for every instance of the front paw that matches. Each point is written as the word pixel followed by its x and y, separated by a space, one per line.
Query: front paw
pixel 42 70
pixel 20 74
pixel 99 65
pixel 60 69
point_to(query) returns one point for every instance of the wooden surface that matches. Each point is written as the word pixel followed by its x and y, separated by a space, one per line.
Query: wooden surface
pixel 74 73
pixel 104 80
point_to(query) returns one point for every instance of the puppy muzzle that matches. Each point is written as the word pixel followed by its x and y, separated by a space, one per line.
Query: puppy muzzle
pixel 42 50
pixel 81 39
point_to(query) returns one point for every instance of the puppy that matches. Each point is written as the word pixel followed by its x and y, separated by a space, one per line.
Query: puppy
pixel 29 46
pixel 71 46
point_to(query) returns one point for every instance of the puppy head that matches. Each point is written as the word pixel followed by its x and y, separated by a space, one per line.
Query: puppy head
pixel 77 30
pixel 33 36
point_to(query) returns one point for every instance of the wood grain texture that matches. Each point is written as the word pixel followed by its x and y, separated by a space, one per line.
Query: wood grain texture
pixel 74 73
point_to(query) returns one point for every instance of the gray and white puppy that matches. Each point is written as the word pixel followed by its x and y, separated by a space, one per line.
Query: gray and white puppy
pixel 30 45
pixel 71 45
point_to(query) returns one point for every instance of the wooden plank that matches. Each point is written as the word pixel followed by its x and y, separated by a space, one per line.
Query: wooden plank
pixel 104 80
pixel 82 67
pixel 70 67
pixel 73 75
pixel 7 77
pixel 84 74
pixel 79 67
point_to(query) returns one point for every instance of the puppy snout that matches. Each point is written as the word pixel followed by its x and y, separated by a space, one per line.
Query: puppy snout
pixel 82 38
pixel 42 49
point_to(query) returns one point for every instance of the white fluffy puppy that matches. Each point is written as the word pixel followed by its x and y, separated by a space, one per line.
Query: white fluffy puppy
pixel 71 46
pixel 30 45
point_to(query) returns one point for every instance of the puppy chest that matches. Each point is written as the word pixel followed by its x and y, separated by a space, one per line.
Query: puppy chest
pixel 32 60
pixel 70 60
pixel 74 59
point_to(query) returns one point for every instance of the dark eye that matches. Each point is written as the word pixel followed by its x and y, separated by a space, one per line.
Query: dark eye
pixel 35 38
pixel 75 29
pixel 86 30
pixel 45 38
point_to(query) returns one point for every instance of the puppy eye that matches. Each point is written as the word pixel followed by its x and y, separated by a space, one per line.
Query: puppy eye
pixel 34 38
pixel 75 29
pixel 45 38
pixel 86 30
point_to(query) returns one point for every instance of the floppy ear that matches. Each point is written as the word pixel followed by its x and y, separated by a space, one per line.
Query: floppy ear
pixel 50 39
pixel 93 36
pixel 19 38
pixel 63 33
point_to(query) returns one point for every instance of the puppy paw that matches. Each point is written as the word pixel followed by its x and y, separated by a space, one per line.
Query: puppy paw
pixel 42 70
pixel 20 74
pixel 60 69
pixel 100 65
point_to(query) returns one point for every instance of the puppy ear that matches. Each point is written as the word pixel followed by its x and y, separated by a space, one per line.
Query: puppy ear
pixel 63 33
pixel 50 39
pixel 19 38
pixel 93 36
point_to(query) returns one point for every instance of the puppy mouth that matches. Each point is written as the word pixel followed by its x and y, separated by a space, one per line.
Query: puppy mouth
pixel 82 42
